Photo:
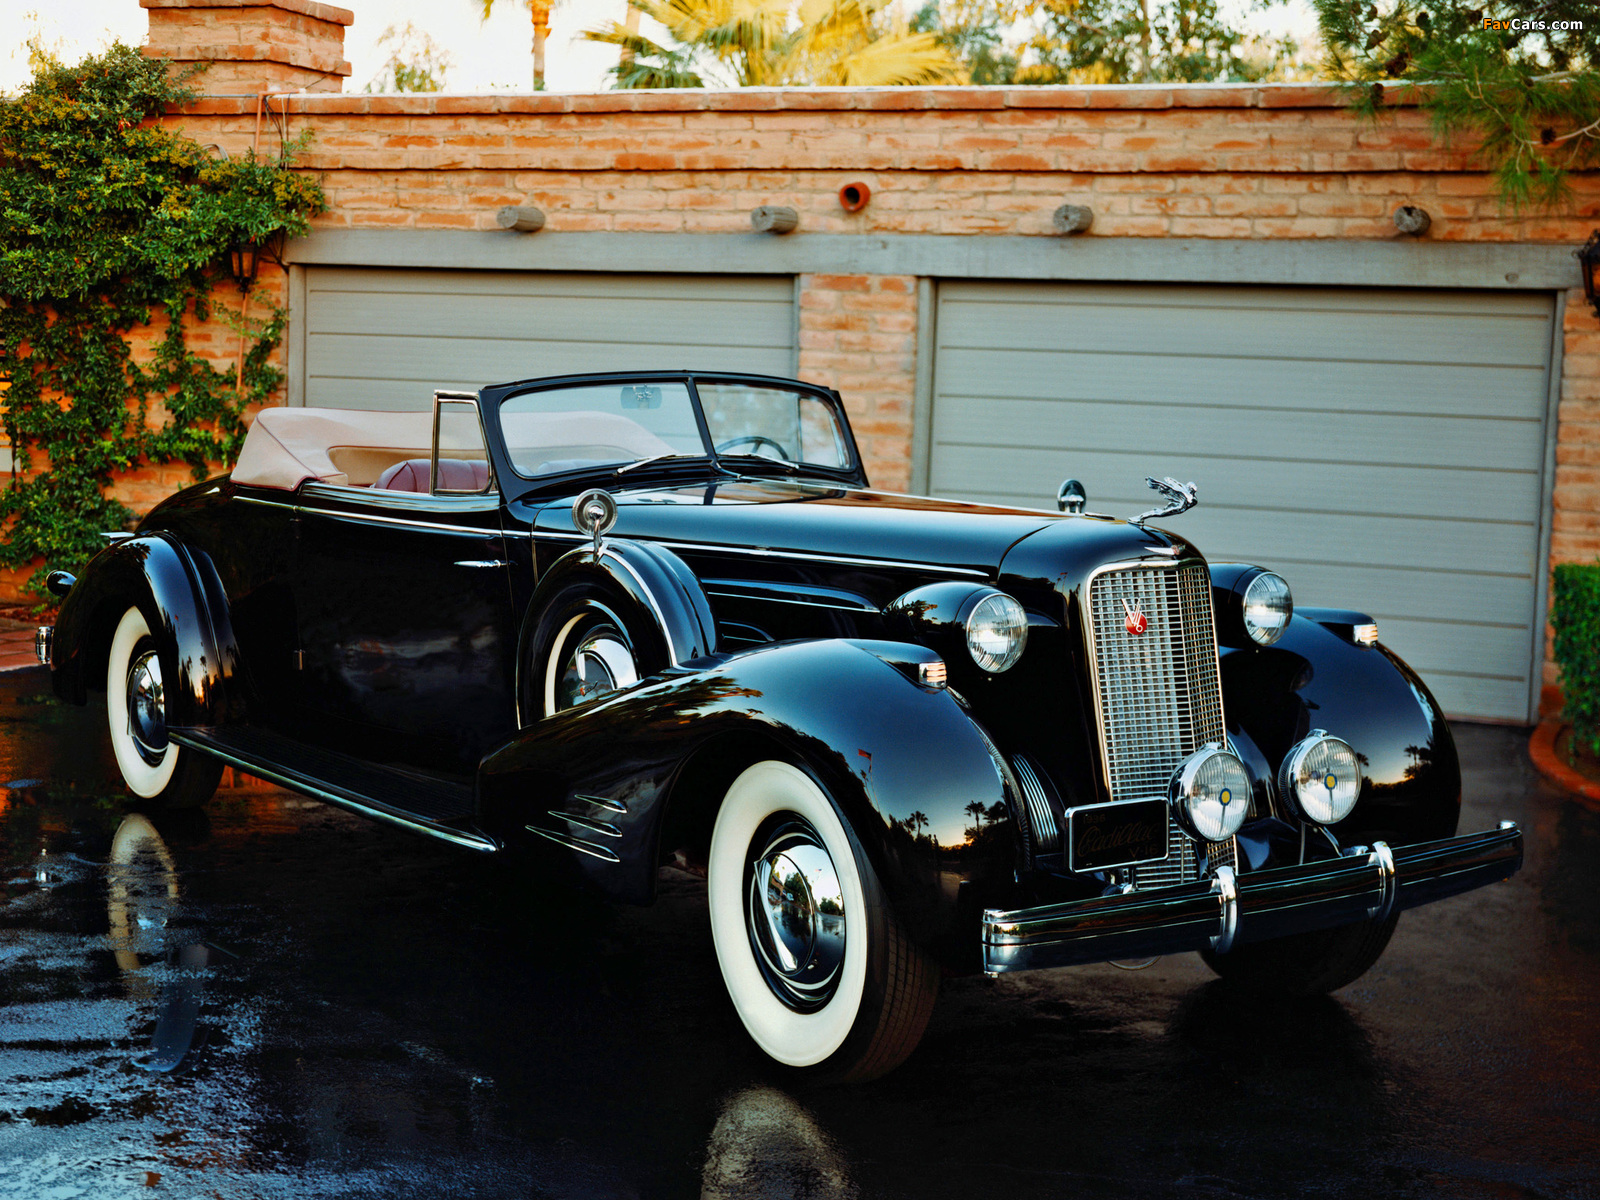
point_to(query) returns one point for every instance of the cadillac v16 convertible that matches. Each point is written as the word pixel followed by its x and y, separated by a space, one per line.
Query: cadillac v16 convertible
pixel 613 622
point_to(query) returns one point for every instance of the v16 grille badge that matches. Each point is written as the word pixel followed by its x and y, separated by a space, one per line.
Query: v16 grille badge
pixel 1135 622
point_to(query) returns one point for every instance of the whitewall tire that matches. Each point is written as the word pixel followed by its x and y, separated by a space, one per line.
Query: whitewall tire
pixel 154 768
pixel 814 960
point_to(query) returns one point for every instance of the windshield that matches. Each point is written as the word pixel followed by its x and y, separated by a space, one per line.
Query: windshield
pixel 777 423
pixel 594 425
pixel 597 425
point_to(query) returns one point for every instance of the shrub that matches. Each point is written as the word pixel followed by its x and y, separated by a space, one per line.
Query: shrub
pixel 1575 615
pixel 108 220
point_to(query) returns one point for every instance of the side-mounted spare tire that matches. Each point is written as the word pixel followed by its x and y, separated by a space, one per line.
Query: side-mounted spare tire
pixel 155 769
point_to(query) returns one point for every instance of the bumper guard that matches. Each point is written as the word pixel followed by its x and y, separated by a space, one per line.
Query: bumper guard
pixel 1368 883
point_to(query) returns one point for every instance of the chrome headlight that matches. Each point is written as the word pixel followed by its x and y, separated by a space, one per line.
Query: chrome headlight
pixel 1267 607
pixel 1320 779
pixel 1210 795
pixel 997 632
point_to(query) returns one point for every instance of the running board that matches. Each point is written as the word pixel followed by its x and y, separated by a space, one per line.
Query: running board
pixel 435 807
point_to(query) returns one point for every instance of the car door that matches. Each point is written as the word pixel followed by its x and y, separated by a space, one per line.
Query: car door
pixel 403 607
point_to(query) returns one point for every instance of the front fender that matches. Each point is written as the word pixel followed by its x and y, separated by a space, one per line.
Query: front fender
pixel 182 600
pixel 1312 678
pixel 905 765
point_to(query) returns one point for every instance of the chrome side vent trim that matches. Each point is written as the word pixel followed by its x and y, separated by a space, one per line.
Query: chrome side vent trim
pixel 1046 830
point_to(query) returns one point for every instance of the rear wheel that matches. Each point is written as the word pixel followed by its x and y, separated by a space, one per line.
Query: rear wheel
pixel 814 958
pixel 154 768
pixel 1305 964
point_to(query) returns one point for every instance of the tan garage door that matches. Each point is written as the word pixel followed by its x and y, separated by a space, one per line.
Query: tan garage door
pixel 1383 449
pixel 381 338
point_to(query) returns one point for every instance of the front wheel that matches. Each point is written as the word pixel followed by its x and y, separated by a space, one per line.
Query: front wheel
pixel 154 768
pixel 1305 964
pixel 814 958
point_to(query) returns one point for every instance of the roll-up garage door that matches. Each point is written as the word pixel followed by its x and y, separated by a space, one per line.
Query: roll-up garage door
pixel 382 338
pixel 1382 449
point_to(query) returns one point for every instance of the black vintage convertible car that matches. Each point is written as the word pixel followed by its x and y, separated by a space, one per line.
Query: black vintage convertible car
pixel 618 621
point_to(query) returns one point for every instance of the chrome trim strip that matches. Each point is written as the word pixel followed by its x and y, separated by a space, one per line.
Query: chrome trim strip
pixel 578 844
pixel 1227 889
pixel 603 828
pixel 609 805
pixel 766 597
pixel 370 519
pixel 1389 889
pixel 256 500
pixel 800 555
pixel 471 841
pixel 481 562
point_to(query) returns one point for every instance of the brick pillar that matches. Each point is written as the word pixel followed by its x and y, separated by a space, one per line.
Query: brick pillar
pixel 253 45
pixel 858 333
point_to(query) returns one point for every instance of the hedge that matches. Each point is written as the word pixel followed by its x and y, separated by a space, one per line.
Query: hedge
pixel 1575 616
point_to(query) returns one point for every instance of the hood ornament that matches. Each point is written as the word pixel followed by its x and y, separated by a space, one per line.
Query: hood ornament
pixel 1180 499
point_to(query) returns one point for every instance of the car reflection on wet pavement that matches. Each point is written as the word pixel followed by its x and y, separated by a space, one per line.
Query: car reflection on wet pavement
pixel 274 998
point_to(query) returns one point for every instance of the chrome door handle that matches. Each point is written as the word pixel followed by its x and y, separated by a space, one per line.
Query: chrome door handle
pixel 481 562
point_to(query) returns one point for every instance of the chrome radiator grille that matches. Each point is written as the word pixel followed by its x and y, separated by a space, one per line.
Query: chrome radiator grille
pixel 1158 694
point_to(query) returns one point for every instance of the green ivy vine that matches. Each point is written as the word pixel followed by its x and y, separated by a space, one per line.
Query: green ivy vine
pixel 109 222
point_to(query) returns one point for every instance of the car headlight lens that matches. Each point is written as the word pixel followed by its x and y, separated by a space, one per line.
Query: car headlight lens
pixel 1267 608
pixel 1320 779
pixel 1210 795
pixel 997 631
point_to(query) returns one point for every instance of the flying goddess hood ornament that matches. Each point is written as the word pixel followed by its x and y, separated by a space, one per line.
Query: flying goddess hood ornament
pixel 1180 499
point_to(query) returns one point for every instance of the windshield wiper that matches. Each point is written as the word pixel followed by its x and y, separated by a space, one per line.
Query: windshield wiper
pixel 788 465
pixel 655 458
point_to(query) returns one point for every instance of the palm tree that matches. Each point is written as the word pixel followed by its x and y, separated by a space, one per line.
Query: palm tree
pixel 539 10
pixel 773 43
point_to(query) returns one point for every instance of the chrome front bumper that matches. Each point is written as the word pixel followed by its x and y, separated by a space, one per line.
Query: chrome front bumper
pixel 44 643
pixel 1367 884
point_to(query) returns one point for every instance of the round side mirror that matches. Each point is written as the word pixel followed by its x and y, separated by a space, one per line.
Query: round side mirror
pixel 1071 497
pixel 594 513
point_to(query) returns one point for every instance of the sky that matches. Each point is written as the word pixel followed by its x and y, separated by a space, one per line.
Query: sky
pixel 487 55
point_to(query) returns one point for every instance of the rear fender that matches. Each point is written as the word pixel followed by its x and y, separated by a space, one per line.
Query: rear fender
pixel 181 597
pixel 903 763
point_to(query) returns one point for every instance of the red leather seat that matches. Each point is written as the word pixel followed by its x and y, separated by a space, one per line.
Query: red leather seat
pixel 455 474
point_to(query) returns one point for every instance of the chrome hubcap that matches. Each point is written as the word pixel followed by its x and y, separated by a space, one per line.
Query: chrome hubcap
pixel 795 915
pixel 600 663
pixel 147 707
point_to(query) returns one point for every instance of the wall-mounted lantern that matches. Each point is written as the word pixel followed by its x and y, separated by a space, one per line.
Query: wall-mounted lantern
pixel 1589 264
pixel 245 255
pixel 524 218
pixel 1072 218
pixel 773 218
pixel 853 197
pixel 1410 219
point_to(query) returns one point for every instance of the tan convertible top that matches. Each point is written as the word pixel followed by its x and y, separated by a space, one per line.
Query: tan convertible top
pixel 287 446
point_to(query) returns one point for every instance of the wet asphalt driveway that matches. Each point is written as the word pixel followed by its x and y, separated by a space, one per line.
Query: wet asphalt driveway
pixel 275 998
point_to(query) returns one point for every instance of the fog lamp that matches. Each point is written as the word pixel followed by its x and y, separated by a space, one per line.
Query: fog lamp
pixel 1320 779
pixel 1210 795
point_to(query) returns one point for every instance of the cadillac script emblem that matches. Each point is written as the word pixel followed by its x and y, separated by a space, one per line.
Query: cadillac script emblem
pixel 1136 622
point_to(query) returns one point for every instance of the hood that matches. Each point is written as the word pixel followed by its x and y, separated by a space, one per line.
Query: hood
pixel 801 518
